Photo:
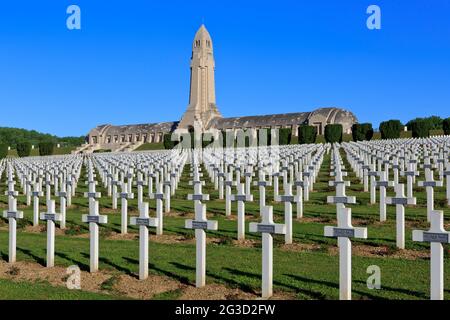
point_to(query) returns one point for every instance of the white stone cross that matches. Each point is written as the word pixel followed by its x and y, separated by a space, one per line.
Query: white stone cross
pixel 198 196
pixel 228 184
pixel 306 185
pixel 221 176
pixel 167 187
pixel 395 168
pixel 94 219
pixel 436 236
pixel 248 177
pixel 383 184
pixel 341 199
pixel 12 215
pixel 143 221
pixel 70 189
pixel 124 195
pixel 140 183
pixel 29 186
pixel 115 182
pixel 400 201
pixel 200 224
pixel 50 216
pixel 129 177
pixel 267 227
pixel 299 197
pixel 276 178
pixel 410 176
pixel 262 184
pixel 62 194
pixel 366 168
pixel 287 198
pixel 37 193
pixel 48 187
pixel 447 188
pixel 372 174
pixel 240 198
pixel 158 196
pixel 429 185
pixel 344 231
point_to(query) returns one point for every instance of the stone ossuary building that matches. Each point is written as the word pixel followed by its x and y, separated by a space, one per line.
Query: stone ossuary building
pixel 203 112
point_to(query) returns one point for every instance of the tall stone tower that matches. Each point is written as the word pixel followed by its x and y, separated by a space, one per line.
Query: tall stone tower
pixel 202 96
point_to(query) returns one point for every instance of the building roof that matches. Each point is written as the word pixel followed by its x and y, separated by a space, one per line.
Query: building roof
pixel 326 115
pixel 135 128
pixel 283 119
pixel 322 115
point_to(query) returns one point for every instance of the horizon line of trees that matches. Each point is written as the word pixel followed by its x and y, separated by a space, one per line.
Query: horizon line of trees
pixel 13 136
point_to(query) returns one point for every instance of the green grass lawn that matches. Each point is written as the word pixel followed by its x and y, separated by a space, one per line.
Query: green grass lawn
pixel 35 151
pixel 306 274
pixel 150 146
pixel 11 290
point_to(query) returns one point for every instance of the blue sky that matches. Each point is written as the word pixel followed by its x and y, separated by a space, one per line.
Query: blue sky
pixel 130 61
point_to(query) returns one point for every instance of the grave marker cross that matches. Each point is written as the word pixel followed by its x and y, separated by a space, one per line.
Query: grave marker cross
pixel 51 216
pixel 200 224
pixel 436 235
pixel 344 231
pixel 143 221
pixel 267 227
pixel 400 201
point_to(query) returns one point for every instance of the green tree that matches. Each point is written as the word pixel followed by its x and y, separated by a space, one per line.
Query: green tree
pixel 362 131
pixel 3 151
pixel 390 129
pixel 433 122
pixel 421 128
pixel 285 136
pixel 307 134
pixel 446 126
pixel 46 148
pixel 13 136
pixel 23 149
pixel 333 133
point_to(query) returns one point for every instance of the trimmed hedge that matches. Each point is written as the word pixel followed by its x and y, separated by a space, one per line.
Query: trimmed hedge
pixel 3 151
pixel 333 133
pixel 307 134
pixel 420 128
pixel 390 129
pixel 446 126
pixel 46 148
pixel 23 149
pixel 168 143
pixel 362 131
pixel 285 136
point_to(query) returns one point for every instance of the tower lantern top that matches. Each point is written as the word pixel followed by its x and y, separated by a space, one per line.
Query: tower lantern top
pixel 202 39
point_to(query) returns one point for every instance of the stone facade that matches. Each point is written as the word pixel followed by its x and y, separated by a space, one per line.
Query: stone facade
pixel 202 112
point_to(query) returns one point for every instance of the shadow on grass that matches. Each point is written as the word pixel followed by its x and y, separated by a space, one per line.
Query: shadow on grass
pixel 182 279
pixel 417 294
pixel 81 265
pixel 36 258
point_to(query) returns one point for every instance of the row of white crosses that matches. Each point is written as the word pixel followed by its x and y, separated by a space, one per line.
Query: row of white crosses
pixel 61 172
pixel 408 164
pixel 144 169
pixel 93 218
pixel 12 214
pixel 343 231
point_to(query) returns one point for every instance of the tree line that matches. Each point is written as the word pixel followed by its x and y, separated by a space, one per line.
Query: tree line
pixel 22 141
